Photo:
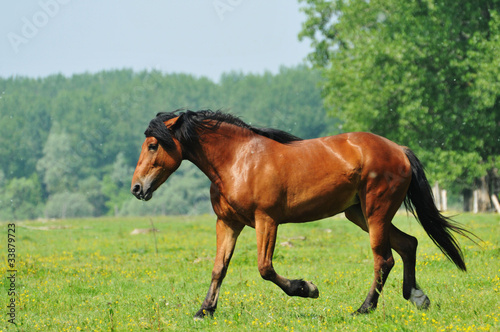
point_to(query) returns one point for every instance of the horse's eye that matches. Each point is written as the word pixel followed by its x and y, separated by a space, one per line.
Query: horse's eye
pixel 153 147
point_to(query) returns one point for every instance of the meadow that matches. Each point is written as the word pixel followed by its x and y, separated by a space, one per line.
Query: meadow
pixel 94 275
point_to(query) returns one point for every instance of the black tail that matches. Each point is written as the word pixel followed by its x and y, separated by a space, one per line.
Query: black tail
pixel 419 201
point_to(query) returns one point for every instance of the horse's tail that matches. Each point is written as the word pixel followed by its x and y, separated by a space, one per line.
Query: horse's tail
pixel 419 201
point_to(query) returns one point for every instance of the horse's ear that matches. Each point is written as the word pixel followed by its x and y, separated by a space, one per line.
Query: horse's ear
pixel 175 122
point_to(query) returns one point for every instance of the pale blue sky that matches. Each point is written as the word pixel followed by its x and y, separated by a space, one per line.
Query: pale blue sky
pixel 200 37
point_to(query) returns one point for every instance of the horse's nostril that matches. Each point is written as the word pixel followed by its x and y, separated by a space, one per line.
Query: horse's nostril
pixel 136 189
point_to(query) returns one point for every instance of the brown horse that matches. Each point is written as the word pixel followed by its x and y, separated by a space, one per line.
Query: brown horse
pixel 265 177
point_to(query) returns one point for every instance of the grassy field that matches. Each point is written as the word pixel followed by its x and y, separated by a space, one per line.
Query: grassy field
pixel 93 275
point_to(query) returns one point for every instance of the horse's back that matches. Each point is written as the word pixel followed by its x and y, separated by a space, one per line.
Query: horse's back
pixel 355 163
pixel 384 166
pixel 371 151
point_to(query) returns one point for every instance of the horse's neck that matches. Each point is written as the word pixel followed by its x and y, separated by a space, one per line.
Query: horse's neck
pixel 217 151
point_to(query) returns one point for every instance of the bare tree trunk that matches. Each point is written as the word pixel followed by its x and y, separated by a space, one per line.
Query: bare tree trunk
pixel 437 196
pixel 475 201
pixel 467 200
pixel 494 184
pixel 444 200
pixel 494 199
pixel 484 201
pixel 479 199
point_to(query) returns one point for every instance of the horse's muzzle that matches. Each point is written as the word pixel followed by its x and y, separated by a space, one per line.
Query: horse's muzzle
pixel 138 191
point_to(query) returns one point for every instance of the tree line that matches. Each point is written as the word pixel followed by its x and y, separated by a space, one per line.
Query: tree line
pixel 69 144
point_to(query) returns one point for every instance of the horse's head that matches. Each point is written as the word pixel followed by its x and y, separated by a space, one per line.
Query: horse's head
pixel 161 155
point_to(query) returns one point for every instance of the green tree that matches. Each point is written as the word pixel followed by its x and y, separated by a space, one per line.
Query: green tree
pixel 68 205
pixel 21 198
pixel 25 122
pixel 91 188
pixel 60 164
pixel 116 184
pixel 423 73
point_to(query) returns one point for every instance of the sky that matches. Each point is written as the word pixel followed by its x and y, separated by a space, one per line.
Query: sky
pixel 200 37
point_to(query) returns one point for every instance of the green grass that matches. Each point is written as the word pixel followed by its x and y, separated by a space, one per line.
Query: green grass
pixel 93 275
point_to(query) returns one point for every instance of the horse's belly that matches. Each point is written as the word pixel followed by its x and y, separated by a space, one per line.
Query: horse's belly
pixel 320 205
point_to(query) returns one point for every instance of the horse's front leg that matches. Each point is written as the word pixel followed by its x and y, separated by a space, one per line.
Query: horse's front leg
pixel 227 233
pixel 266 231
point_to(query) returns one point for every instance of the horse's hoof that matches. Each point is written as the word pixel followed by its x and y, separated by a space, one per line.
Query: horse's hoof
pixel 202 313
pixel 303 288
pixel 420 300
pixel 313 290
pixel 363 310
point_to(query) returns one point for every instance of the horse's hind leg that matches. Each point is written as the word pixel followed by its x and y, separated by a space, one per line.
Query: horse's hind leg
pixel 266 231
pixel 379 232
pixel 406 246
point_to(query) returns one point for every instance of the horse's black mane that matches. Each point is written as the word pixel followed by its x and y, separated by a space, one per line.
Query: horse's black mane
pixel 186 129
